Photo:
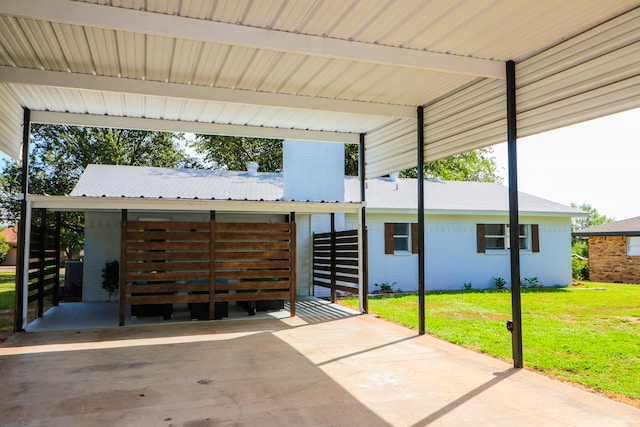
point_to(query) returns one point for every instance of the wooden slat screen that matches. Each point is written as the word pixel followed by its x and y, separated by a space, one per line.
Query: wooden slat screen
pixel 44 260
pixel 335 261
pixel 253 262
pixel 190 262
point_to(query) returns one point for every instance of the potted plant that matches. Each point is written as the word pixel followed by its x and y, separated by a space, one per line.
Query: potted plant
pixel 111 277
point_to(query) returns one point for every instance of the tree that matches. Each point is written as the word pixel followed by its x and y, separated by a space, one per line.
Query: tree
pixel 579 246
pixel 476 165
pixel 593 218
pixel 232 152
pixel 351 162
pixel 59 155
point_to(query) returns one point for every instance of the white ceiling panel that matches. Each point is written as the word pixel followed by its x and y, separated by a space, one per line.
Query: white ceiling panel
pixel 331 66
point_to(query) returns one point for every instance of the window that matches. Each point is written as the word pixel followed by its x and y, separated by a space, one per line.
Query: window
pixel 400 238
pixel 495 237
pixel 633 246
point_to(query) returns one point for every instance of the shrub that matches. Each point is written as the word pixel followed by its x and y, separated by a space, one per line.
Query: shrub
pixel 385 287
pixel 467 286
pixel 4 249
pixel 530 282
pixel 111 277
pixel 499 282
pixel 579 268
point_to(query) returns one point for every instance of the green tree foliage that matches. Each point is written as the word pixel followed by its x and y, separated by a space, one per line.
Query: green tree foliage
pixel 579 246
pixel 59 155
pixel 477 165
pixel 351 162
pixel 232 153
pixel 4 249
pixel 593 218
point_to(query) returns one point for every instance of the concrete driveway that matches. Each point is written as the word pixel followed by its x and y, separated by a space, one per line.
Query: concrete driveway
pixel 353 371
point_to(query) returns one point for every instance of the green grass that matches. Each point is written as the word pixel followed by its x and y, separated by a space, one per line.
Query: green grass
pixel 7 300
pixel 588 334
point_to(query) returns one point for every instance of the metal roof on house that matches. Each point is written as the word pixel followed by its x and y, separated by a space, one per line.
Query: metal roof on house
pixel 625 227
pixel 152 182
pixel 319 70
pixel 385 195
pixel 382 195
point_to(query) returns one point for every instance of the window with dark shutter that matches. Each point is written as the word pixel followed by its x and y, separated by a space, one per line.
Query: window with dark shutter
pixel 400 238
pixel 415 242
pixel 496 237
pixel 388 238
pixel 535 238
pixel 480 238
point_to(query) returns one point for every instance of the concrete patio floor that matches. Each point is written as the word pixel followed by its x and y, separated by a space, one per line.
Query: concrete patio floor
pixel 303 371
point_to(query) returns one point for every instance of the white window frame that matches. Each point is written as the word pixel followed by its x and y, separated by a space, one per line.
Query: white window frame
pixel 507 241
pixel 633 245
pixel 406 236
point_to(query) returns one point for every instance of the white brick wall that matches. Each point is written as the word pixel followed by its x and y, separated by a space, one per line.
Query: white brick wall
pixel 102 244
pixel 451 257
pixel 313 171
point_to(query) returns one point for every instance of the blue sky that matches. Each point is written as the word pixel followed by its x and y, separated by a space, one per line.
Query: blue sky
pixel 596 162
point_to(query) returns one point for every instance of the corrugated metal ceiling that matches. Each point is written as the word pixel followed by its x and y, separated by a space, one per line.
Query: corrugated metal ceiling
pixel 281 85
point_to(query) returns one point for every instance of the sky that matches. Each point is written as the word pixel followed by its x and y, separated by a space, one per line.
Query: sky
pixel 595 162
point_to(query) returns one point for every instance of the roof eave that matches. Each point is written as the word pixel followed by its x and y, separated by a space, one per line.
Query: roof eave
pixel 606 233
pixel 410 211
pixel 75 203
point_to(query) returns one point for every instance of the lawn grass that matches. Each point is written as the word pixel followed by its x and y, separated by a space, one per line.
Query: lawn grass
pixel 588 334
pixel 7 300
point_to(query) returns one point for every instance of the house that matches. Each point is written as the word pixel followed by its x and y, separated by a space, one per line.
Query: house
pixel 614 251
pixel 11 236
pixel 466 232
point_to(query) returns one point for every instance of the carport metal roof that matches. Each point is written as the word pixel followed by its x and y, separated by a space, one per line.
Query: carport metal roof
pixel 318 70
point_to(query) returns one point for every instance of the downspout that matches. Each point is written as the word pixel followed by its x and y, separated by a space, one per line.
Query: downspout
pixel 22 273
pixel 514 226
pixel 364 237
pixel 421 269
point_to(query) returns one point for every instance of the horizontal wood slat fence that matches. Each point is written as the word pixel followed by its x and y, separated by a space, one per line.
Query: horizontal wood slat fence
pixel 335 261
pixel 44 260
pixel 206 262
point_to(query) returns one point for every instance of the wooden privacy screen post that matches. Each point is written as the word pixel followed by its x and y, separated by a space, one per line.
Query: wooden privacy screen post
pixel 122 301
pixel 333 257
pixel 212 265
pixel 292 260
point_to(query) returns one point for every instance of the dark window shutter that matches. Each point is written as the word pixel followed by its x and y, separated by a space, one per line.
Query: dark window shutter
pixel 535 238
pixel 415 248
pixel 480 238
pixel 388 238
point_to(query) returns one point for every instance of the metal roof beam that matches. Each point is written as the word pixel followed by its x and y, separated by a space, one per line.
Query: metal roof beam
pixel 141 123
pixel 204 93
pixel 137 21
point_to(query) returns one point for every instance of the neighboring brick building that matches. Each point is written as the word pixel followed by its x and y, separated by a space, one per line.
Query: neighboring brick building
pixel 614 251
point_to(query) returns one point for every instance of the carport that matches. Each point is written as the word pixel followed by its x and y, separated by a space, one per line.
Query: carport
pixel 411 82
